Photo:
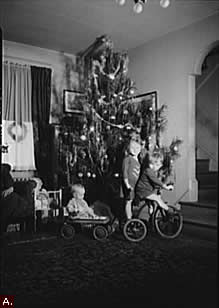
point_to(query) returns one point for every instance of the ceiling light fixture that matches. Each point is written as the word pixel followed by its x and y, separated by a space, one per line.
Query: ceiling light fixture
pixel 138 6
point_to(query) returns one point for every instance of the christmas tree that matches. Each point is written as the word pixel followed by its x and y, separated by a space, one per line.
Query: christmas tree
pixel 95 141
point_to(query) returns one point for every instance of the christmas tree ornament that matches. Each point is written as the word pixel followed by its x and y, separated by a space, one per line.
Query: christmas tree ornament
pixel 112 117
pixel 83 137
pixel 111 76
pixel 81 153
pixel 132 91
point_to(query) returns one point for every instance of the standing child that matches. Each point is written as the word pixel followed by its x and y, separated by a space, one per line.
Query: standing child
pixel 130 174
pixel 77 206
pixel 148 182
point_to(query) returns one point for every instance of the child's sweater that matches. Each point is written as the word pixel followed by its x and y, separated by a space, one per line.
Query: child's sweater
pixel 147 183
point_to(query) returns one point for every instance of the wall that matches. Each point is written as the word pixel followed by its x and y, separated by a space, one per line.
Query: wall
pixel 167 65
pixel 207 96
pixel 64 74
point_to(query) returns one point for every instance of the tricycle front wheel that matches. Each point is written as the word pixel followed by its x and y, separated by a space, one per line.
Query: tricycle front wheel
pixel 135 230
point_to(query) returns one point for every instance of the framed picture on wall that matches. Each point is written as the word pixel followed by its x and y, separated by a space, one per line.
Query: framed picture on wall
pixel 150 97
pixel 73 101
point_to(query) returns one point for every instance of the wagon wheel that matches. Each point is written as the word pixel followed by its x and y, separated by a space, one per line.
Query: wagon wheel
pixel 100 233
pixel 67 232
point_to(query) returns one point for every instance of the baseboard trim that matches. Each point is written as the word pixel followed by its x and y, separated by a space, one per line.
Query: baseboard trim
pixel 199 224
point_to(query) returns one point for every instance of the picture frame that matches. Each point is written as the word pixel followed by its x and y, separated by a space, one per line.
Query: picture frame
pixel 152 99
pixel 73 101
pixel 149 96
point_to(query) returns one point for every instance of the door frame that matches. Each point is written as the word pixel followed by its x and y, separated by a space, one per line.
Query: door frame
pixel 197 70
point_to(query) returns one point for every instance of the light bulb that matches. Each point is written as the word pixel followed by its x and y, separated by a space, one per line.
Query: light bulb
pixel 164 3
pixel 132 91
pixel 120 2
pixel 111 76
pixel 83 137
pixel 139 6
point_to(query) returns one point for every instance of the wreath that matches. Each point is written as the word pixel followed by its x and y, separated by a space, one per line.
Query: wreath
pixel 17 136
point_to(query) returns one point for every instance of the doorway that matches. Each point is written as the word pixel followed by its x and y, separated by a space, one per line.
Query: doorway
pixel 207 98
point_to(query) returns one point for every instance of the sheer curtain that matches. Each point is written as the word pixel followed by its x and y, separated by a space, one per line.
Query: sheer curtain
pixel 17 117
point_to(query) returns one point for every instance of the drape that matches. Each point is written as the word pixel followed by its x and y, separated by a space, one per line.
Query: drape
pixel 41 97
pixel 17 127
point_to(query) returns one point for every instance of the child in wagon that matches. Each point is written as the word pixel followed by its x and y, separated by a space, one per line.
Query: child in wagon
pixel 78 207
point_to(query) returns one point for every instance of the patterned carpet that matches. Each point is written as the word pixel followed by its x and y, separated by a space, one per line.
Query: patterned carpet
pixel 115 273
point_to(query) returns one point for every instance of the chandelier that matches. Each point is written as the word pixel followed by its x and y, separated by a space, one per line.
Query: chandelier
pixel 138 5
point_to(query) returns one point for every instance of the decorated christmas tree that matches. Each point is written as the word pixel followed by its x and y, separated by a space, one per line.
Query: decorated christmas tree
pixel 111 115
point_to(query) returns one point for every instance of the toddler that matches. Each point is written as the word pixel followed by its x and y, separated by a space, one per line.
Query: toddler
pixel 148 182
pixel 77 206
